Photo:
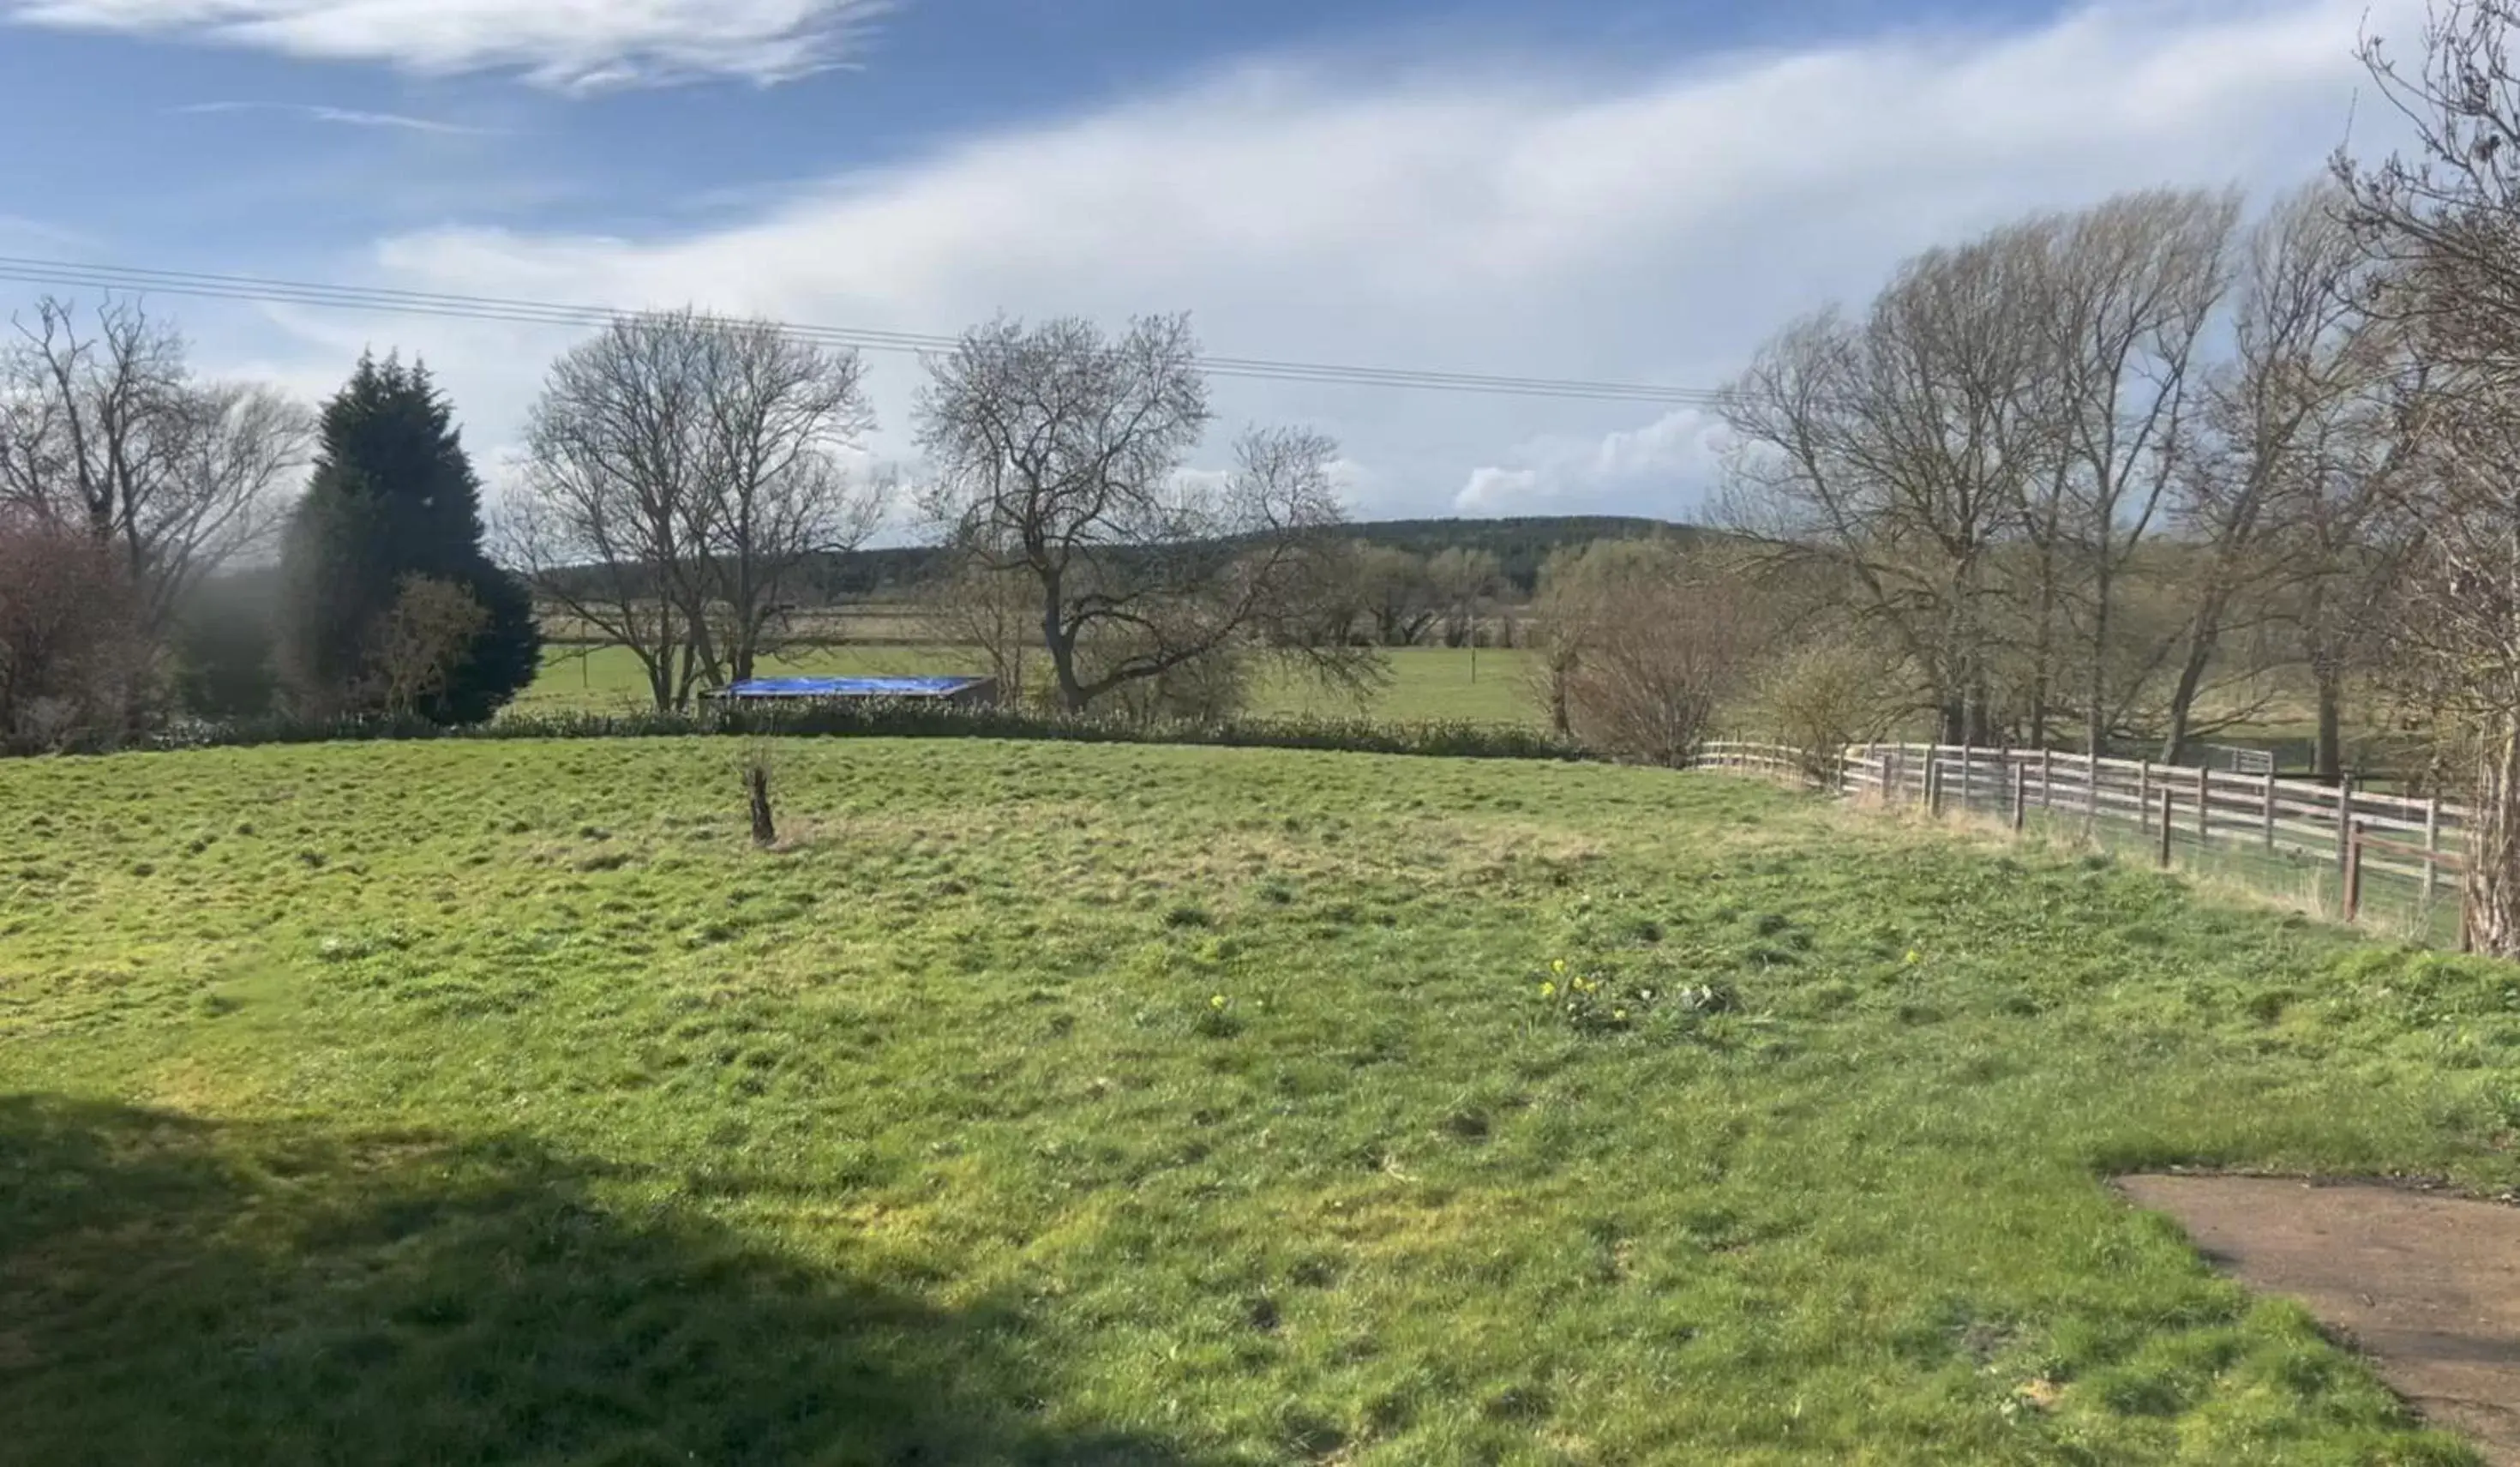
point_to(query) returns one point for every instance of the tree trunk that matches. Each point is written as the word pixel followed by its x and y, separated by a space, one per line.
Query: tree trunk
pixel 2095 719
pixel 2182 697
pixel 2043 650
pixel 1058 639
pixel 2328 757
pixel 2492 907
pixel 1981 716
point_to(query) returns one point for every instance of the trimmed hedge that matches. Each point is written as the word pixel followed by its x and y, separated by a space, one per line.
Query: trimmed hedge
pixel 909 720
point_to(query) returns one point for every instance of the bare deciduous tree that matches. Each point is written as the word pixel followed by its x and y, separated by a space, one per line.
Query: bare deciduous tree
pixel 1982 458
pixel 1397 594
pixel 2445 217
pixel 785 417
pixel 2273 510
pixel 1058 455
pixel 615 458
pixel 1461 582
pixel 1563 604
pixel 683 474
pixel 105 428
pixel 2132 283
pixel 1896 452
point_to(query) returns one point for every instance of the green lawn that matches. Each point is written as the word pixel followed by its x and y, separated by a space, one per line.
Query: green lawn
pixel 1061 1104
pixel 1428 684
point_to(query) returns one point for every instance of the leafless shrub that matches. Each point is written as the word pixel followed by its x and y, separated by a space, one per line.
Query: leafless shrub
pixel 1826 694
pixel 75 670
pixel 421 641
pixel 1657 640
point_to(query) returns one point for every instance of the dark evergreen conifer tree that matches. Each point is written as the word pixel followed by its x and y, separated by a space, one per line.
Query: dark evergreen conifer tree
pixel 393 495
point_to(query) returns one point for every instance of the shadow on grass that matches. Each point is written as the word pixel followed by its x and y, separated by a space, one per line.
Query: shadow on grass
pixel 175 1291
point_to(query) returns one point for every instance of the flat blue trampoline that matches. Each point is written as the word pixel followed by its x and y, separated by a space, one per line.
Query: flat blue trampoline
pixel 834 689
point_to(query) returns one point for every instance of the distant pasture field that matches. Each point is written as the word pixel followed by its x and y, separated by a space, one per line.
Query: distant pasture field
pixel 1065 1103
pixel 1428 684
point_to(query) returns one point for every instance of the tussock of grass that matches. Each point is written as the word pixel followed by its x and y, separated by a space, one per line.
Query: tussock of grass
pixel 1053 1103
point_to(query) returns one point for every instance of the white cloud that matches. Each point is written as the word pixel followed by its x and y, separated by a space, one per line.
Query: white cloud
pixel 571 45
pixel 1646 227
pixel 1655 470
pixel 338 116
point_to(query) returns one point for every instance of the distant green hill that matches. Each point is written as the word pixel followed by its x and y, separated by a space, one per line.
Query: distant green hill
pixel 1518 544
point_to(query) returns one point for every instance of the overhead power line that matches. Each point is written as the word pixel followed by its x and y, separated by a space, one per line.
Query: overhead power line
pixel 256 289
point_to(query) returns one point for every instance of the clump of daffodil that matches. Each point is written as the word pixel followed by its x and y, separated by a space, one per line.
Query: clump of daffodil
pixel 1217 1003
pixel 1547 991
pixel 1914 957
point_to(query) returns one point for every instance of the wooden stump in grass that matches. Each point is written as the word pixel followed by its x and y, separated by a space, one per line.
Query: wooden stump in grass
pixel 756 783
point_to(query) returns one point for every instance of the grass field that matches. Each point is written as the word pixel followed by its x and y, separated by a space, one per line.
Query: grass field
pixel 1428 684
pixel 1056 1104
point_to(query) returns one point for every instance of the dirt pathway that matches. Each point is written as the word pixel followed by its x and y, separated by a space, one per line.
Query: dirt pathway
pixel 2429 1286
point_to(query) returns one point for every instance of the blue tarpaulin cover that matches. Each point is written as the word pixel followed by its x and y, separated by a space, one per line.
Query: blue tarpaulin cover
pixel 851 687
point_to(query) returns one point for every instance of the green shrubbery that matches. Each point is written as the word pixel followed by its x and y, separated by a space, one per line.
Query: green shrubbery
pixel 916 720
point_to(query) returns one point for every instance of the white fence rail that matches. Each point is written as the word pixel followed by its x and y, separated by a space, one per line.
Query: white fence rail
pixel 2357 833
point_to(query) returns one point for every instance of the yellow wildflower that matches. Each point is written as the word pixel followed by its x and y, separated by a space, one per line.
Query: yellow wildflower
pixel 1559 967
pixel 1547 991
pixel 1218 1002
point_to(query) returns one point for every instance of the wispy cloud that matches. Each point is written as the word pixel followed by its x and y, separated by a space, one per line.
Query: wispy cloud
pixel 340 115
pixel 567 45
pixel 1636 225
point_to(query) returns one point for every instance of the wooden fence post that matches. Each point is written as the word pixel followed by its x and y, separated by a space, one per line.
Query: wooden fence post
pixel 2144 793
pixel 2432 848
pixel 2020 797
pixel 1968 775
pixel 2204 804
pixel 2168 824
pixel 2353 871
pixel 2271 811
pixel 2047 778
pixel 2344 817
pixel 2091 788
pixel 1933 786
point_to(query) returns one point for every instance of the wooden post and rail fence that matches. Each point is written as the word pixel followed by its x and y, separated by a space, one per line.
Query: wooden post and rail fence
pixel 2360 835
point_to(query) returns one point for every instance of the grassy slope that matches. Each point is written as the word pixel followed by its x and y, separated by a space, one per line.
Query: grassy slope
pixel 1428 684
pixel 429 1103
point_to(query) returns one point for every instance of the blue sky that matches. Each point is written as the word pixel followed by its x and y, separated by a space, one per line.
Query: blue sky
pixel 1616 189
